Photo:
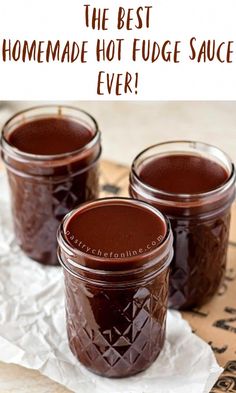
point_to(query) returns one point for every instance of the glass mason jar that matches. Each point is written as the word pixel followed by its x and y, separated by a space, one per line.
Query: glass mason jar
pixel 200 224
pixel 46 187
pixel 116 307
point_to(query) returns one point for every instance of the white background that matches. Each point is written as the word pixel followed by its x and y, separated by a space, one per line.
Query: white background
pixel 170 19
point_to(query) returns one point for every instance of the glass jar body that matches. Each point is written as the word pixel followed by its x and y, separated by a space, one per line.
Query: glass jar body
pixel 39 204
pixel 116 307
pixel 200 225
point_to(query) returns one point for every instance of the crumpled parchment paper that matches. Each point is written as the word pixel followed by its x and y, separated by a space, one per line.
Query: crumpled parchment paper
pixel 33 332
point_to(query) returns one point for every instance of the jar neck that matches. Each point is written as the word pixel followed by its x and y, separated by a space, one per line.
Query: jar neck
pixel 77 162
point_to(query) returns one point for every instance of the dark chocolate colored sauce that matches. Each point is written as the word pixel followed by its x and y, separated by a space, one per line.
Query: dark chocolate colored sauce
pixel 50 136
pixel 115 229
pixel 183 174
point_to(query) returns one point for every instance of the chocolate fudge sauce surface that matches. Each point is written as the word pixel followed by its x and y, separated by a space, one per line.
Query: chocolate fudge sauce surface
pixel 43 188
pixel 183 174
pixel 116 320
pixel 200 225
pixel 50 136
pixel 115 229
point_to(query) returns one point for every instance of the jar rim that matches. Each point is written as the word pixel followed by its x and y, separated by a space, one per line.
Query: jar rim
pixel 52 157
pixel 186 197
pixel 166 242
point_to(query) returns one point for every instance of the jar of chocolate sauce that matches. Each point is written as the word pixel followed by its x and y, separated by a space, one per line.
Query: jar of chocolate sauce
pixel 116 254
pixel 51 154
pixel 194 185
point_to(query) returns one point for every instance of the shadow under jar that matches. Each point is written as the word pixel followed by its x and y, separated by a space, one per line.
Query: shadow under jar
pixel 194 185
pixel 116 254
pixel 51 154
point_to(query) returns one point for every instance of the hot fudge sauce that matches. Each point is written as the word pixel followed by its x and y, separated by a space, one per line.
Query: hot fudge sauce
pixel 183 174
pixel 108 235
pixel 51 154
pixel 50 135
pixel 194 184
pixel 116 254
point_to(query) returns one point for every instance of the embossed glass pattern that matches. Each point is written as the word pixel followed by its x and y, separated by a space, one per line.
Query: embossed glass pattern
pixel 116 319
pixel 45 188
pixel 196 277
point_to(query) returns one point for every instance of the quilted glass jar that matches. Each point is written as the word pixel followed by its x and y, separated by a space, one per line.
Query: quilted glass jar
pixel 45 187
pixel 200 221
pixel 115 306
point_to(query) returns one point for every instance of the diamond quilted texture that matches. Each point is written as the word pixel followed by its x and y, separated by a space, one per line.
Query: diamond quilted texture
pixel 47 202
pixel 116 332
pixel 198 266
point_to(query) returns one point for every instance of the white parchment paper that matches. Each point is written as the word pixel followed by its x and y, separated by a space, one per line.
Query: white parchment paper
pixel 33 333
